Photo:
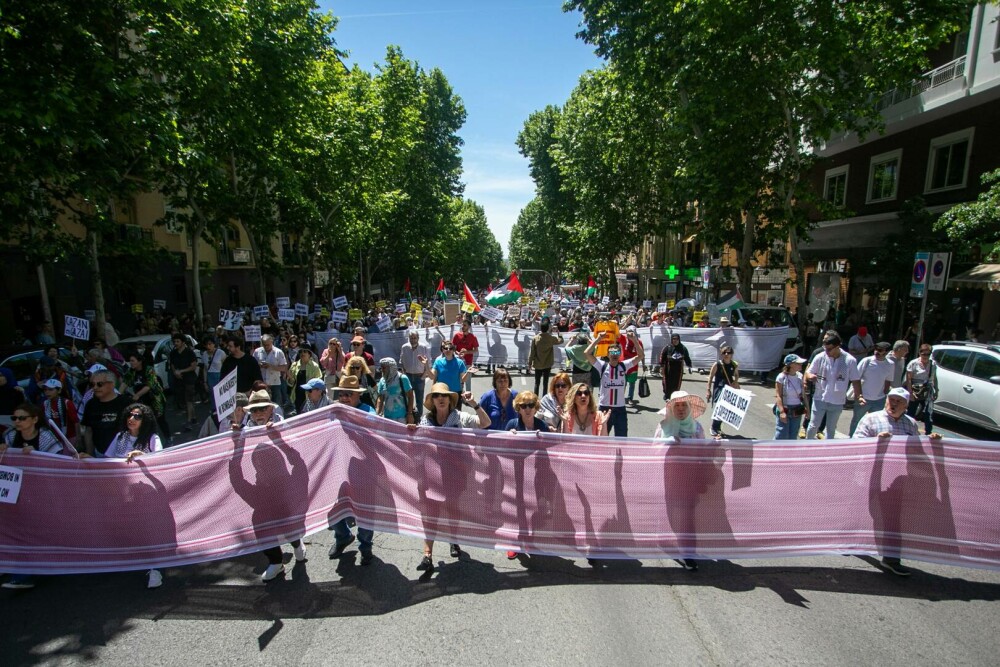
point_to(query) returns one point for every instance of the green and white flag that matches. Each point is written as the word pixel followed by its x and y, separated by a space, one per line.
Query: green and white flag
pixel 730 301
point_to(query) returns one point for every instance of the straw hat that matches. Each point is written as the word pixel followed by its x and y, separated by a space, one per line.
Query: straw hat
pixel 260 399
pixel 697 404
pixel 349 383
pixel 440 388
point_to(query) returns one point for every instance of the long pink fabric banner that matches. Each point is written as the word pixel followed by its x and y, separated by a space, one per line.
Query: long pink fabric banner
pixel 559 495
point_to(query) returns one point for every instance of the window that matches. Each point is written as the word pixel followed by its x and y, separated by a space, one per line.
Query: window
pixel 985 367
pixel 953 360
pixel 835 186
pixel 883 176
pixel 948 163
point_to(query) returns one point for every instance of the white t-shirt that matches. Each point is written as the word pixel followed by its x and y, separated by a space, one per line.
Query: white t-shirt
pixel 612 393
pixel 834 376
pixel 874 374
pixel 213 363
pixel 275 358
pixel 791 389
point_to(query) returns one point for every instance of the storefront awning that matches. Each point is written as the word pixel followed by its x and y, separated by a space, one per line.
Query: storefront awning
pixel 984 276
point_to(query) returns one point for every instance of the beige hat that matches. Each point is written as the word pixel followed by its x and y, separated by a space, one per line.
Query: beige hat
pixel 697 404
pixel 349 383
pixel 723 321
pixel 440 388
pixel 260 399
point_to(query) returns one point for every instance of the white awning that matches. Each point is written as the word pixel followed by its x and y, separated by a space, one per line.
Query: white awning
pixel 984 276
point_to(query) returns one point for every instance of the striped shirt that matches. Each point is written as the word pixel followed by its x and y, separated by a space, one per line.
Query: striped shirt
pixel 612 393
pixel 881 421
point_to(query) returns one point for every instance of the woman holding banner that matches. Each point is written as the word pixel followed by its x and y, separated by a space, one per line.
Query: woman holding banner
pixel 580 413
pixel 724 373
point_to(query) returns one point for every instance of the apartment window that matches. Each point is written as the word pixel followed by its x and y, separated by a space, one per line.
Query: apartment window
pixel 835 186
pixel 883 176
pixel 948 163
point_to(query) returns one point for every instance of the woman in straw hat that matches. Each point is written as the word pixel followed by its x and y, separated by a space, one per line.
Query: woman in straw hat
pixel 679 415
pixel 442 411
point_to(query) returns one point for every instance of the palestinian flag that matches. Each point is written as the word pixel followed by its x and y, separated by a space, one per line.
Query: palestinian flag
pixel 591 287
pixel 406 289
pixel 730 301
pixel 442 292
pixel 506 292
pixel 470 297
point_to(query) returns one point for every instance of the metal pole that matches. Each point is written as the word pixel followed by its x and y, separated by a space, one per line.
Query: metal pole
pixel 920 324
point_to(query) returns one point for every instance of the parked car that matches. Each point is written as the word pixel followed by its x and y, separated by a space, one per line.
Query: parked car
pixel 754 316
pixel 969 382
pixel 160 346
pixel 24 360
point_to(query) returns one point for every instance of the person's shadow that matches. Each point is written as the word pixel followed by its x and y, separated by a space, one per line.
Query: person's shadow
pixel 497 350
pixel 278 496
pixel 366 490
pixel 695 493
pixel 522 341
pixel 915 508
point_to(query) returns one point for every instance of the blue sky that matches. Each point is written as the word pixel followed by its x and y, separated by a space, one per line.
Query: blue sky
pixel 504 58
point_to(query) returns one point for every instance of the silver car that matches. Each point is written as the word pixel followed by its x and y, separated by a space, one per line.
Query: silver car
pixel 969 382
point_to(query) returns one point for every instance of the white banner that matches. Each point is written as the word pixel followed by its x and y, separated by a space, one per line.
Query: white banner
pixel 252 333
pixel 77 328
pixel 283 302
pixel 10 484
pixel 755 349
pixel 732 406
pixel 225 395
pixel 286 314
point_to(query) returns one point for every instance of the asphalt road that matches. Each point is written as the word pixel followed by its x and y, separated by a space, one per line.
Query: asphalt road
pixel 483 608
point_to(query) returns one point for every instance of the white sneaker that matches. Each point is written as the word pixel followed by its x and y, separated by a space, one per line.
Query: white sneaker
pixel 300 554
pixel 272 571
pixel 155 579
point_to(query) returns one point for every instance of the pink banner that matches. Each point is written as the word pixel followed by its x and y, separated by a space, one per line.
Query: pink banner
pixel 557 495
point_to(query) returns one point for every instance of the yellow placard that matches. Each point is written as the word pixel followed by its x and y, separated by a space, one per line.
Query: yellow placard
pixel 698 315
pixel 137 308
pixel 542 305
pixel 525 300
pixel 355 314
pixel 670 304
pixel 468 307
pixel 324 312
pixel 611 327
pixel 415 307
pixel 380 304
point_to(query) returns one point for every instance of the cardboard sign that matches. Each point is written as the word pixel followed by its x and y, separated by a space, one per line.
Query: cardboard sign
pixel 10 484
pixel 77 328
pixel 261 311
pixel 225 395
pixel 340 302
pixel 647 304
pixel 355 314
pixel 381 303
pixel 286 314
pixel 732 406
pixel 137 308
pixel 302 309
pixel 468 307
pixel 491 313
pixel 661 307
pixel 283 302
pixel 159 304
pixel 384 323
pixel 252 333
pixel 401 308
pixel 338 316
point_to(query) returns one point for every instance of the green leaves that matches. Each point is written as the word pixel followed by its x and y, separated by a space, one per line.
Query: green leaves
pixel 977 222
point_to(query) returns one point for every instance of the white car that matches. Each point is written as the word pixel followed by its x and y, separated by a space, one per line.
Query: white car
pixel 969 382
pixel 160 346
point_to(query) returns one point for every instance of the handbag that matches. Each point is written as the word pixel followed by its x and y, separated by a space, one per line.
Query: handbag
pixel 643 387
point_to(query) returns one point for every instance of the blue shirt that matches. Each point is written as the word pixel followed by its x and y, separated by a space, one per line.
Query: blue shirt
pixel 517 425
pixel 499 413
pixel 450 372
pixel 364 407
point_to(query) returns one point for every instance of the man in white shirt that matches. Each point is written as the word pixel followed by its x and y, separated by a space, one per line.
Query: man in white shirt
pixel 900 349
pixel 832 372
pixel 861 344
pixel 612 389
pixel 273 364
pixel 410 363
pixel 876 374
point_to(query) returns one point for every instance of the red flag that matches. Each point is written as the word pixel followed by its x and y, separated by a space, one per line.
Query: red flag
pixel 406 286
pixel 441 291
pixel 470 298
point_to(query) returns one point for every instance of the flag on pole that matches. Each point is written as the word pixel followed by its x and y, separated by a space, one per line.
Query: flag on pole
pixel 406 288
pixel 730 301
pixel 591 287
pixel 442 292
pixel 470 298
pixel 506 292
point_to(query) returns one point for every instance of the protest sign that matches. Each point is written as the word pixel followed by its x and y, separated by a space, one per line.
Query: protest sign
pixel 355 314
pixel 340 302
pixel 647 304
pixel 525 300
pixel 698 315
pixel 468 307
pixel 225 395
pixel 159 304
pixel 283 302
pixel 732 406
pixel 381 303
pixel 261 311
pixel 491 313
pixel 426 317
pixel 10 484
pixel 77 328
pixel 401 308
pixel 317 308
pixel 605 300
pixel 252 333
pixel 671 303
pixel 338 317
pixel 661 307
pixel 384 323
pixel 302 309
pixel 286 314
pixel 571 303
pixel 137 308
pixel 525 312
pixel 590 307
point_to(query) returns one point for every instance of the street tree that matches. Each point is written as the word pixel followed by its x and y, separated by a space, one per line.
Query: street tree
pixel 976 222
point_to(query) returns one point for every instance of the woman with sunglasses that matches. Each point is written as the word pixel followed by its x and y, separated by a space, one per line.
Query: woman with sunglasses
pixel 921 379
pixel 552 403
pixel 724 373
pixel 526 405
pixel 332 362
pixel 580 413
pixel 498 402
pixel 143 385
pixel 357 367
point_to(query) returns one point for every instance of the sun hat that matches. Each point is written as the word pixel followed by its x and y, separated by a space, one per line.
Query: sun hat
pixel 97 368
pixel 440 388
pixel 52 383
pixel 899 391
pixel 723 321
pixel 793 359
pixel 697 404
pixel 349 383
pixel 260 399
pixel 315 383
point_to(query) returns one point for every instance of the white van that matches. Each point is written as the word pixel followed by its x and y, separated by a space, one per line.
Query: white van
pixel 750 315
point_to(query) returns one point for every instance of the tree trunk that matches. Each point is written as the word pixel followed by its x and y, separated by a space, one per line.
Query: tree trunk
pixel 611 277
pixel 195 235
pixel 744 269
pixel 96 285
pixel 800 280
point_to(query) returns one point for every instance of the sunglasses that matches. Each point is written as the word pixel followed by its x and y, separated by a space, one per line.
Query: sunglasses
pixel 135 415
pixel 583 393
pixel 529 406
pixel 560 386
pixel 355 344
pixel 98 384
pixel 433 396
pixel 727 353
pixel 20 418
pixel 447 348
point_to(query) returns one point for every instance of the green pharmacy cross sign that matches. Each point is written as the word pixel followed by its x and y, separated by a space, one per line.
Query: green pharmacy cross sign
pixel 671 271
pixel 692 273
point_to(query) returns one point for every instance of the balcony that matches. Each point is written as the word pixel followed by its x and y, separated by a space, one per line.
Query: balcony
pixel 934 81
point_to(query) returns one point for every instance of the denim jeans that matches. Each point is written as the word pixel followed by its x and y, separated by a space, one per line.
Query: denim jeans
pixel 789 430
pixel 279 393
pixel 861 410
pixel 617 421
pixel 832 412
pixel 342 532
pixel 212 378
pixel 417 382
pixel 542 376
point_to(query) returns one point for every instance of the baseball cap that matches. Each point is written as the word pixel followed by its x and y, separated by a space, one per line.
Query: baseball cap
pixel 902 393
pixel 52 383
pixel 793 359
